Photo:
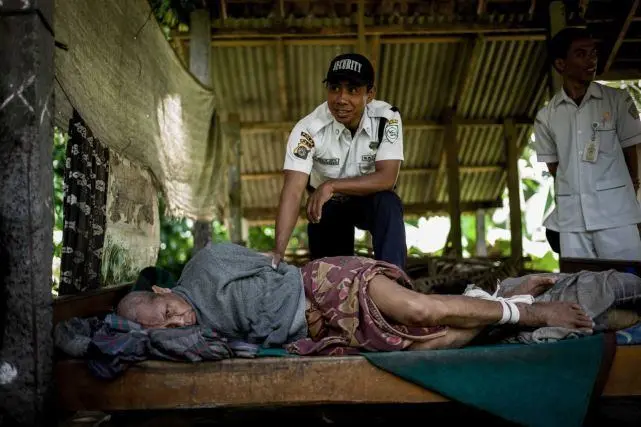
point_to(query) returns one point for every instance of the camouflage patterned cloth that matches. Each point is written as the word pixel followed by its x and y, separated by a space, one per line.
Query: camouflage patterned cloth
pixel 341 316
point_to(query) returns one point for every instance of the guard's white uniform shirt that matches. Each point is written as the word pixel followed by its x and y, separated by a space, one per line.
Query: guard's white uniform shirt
pixel 324 148
pixel 590 196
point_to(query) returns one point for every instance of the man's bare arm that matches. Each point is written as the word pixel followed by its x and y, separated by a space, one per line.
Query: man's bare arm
pixel 383 178
pixel 289 207
pixel 552 168
pixel 632 162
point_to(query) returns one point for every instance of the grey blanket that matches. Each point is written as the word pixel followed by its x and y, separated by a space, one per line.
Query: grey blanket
pixel 236 292
pixel 595 292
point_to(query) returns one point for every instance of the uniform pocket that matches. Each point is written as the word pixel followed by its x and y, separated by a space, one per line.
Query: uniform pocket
pixel 366 168
pixel 607 140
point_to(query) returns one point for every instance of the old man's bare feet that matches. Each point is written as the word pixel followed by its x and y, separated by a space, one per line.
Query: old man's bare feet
pixel 534 285
pixel 555 313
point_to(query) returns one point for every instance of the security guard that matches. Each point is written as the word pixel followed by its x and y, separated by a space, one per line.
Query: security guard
pixel 347 154
pixel 588 135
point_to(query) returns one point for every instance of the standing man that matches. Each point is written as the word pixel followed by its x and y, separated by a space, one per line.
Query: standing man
pixel 346 154
pixel 588 135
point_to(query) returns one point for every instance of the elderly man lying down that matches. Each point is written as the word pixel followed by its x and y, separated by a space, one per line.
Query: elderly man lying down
pixel 333 305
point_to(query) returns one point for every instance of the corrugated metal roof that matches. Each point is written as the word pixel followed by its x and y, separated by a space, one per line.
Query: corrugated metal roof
pixel 420 77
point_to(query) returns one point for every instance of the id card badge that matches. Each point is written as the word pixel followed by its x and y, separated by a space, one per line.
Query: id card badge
pixel 591 149
pixel 591 152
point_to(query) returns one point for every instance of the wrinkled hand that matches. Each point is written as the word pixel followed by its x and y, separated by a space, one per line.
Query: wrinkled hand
pixel 316 201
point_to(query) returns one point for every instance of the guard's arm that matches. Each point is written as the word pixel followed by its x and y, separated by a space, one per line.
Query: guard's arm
pixel 552 168
pixel 628 127
pixel 383 178
pixel 632 162
pixel 289 207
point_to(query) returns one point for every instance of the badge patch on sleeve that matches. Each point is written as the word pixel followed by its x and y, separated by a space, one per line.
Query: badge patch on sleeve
pixel 301 152
pixel 633 111
pixel 305 144
pixel 391 131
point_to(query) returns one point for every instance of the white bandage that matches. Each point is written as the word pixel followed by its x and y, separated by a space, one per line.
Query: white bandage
pixel 511 313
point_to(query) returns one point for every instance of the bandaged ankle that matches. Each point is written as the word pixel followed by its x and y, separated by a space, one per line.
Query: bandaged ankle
pixel 511 312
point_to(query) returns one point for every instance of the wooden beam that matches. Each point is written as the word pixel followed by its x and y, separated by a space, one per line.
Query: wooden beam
pixel 622 74
pixel 227 31
pixel 375 54
pixel 481 242
pixel 259 127
pixel 403 172
pixel 623 24
pixel 360 19
pixel 200 67
pixel 234 190
pixel 481 8
pixel 469 64
pixel 514 190
pixel 269 213
pixel 349 41
pixel 453 182
pixel 557 23
pixel 281 74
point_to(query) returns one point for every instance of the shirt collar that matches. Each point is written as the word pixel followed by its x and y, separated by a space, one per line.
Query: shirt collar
pixel 365 124
pixel 594 91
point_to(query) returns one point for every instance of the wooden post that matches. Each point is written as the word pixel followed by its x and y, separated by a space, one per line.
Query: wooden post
pixel 26 211
pixel 481 243
pixel 453 182
pixel 514 190
pixel 199 65
pixel 557 23
pixel 235 192
pixel 362 43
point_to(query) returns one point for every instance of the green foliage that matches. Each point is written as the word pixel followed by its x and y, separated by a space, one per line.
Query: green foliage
pixel 173 14
pixel 59 153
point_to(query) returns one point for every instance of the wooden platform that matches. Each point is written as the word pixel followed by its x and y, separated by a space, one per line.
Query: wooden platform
pixel 256 382
pixel 271 381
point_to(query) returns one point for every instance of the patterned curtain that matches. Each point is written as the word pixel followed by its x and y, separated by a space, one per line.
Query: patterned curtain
pixel 84 209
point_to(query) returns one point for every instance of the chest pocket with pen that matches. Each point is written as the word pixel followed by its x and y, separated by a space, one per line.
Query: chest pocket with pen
pixel 607 137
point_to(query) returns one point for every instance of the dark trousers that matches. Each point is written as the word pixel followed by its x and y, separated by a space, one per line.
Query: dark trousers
pixel 380 213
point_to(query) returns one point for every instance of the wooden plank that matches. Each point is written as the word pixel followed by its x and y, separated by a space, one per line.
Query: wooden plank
pixel 271 381
pixel 625 373
pixel 89 303
pixel 236 382
pixel 574 265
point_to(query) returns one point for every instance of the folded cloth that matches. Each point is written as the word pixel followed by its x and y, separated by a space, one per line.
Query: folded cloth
pixel 112 345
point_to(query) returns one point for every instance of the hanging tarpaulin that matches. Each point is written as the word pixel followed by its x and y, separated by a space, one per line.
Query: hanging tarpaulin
pixel 129 86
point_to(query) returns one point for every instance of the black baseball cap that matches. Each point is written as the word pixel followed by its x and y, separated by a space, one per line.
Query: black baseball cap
pixel 352 67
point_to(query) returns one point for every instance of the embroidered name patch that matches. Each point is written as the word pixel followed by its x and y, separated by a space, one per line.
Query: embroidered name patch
pixel 327 162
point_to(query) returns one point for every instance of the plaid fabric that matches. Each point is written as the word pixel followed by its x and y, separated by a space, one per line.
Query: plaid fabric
pixel 112 345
